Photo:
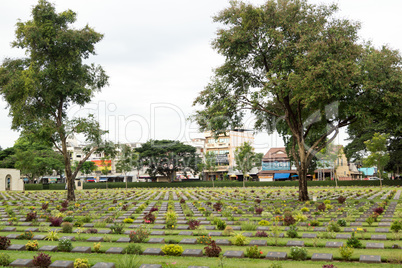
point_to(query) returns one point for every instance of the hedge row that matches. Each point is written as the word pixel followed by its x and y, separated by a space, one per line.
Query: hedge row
pixel 113 185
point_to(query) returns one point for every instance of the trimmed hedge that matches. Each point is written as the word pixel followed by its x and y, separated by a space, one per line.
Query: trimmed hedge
pixel 113 185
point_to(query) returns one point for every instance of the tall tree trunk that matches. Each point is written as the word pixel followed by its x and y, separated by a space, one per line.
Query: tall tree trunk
pixel 302 172
pixel 69 175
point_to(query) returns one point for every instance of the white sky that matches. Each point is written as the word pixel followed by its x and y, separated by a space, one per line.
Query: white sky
pixel 158 56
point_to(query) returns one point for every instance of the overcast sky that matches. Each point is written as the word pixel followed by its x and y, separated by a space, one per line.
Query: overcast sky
pixel 158 56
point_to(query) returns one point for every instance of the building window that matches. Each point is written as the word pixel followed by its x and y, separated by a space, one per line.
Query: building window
pixel 342 162
pixel 211 140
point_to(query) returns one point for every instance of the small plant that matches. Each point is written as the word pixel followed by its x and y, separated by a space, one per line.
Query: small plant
pixel 172 250
pixel 341 222
pixel 239 240
pixel 292 232
pixel 346 252
pixel 370 220
pixel 228 231
pixel 248 226
pixel 133 249
pixel 289 220
pixel 212 250
pixel 52 236
pixel 193 224
pixel 42 260
pixel 261 234
pixel 45 206
pixel 298 253
pixel 149 218
pixel 220 224
pixel 341 199
pixel 305 209
pixel 354 242
pixel 4 259
pixel 117 228
pixel 139 235
pixel 66 227
pixel 171 219
pixel 321 207
pixel 204 240
pixel 253 252
pixel 55 221
pixel 379 210
pixel 32 245
pixel 65 245
pixel 92 231
pixel 81 263
pixel 259 210
pixel 78 224
pixel 128 261
pixel 275 265
pixel 396 226
pixel 68 219
pixel 264 223
pixel 329 266
pixel 27 235
pixel 314 223
pixel 31 216
pixel 333 227
pixel 128 220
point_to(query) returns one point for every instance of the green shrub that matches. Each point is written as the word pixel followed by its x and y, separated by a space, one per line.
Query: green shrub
pixel 128 261
pixel 220 224
pixel 66 227
pixel 172 250
pixel 239 240
pixel 396 226
pixel 292 232
pixel 264 223
pixel 354 242
pixel 117 228
pixel 298 253
pixel 346 252
pixel 333 227
pixel 81 263
pixel 248 226
pixel 253 252
pixel 128 220
pixel 65 245
pixel 4 259
pixel 32 245
pixel 139 235
pixel 341 222
pixel 133 249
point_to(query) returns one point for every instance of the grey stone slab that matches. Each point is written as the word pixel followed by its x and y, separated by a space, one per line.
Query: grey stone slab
pixel 384 224
pixel 95 239
pixel 48 248
pixel 370 259
pixel 123 240
pixel 248 234
pixel 186 233
pixel 307 235
pixel 9 229
pixel 25 224
pixel 157 233
pixel 331 244
pixel 210 227
pixel 356 224
pixel 22 263
pixel 293 243
pixel 156 240
pixel 104 265
pixel 33 229
pixel 38 237
pixel 153 251
pixel 320 229
pixel 13 236
pixel 188 241
pixel 343 236
pixel 69 237
pixel 378 237
pixel 222 242
pixel 62 264
pixel 159 227
pixel 258 243
pixel 114 250
pixel 375 245
pixel 16 247
pixel 262 228
pixel 381 230
pixel 81 250
pixel 272 255
pixel 234 254
pixel 322 257
pixel 151 266
pixel 182 227
pixel 104 231
pixel 192 253
pixel 347 229
pixel 215 234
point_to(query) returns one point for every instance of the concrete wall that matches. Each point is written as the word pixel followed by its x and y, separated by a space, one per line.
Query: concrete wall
pixel 11 179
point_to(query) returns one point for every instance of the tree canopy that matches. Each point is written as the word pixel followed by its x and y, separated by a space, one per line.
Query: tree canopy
pixel 299 70
pixel 166 157
pixel 40 88
pixel 245 159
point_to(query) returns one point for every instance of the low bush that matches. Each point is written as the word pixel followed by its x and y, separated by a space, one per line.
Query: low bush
pixel 396 226
pixel 346 252
pixel 4 259
pixel 204 240
pixel 261 234
pixel 66 227
pixel 172 250
pixel 42 260
pixel 298 253
pixel 193 224
pixel 292 232
pixel 133 249
pixel 32 245
pixel 65 245
pixel 354 242
pixel 139 235
pixel 253 252
pixel 81 263
pixel 117 228
pixel 239 240
pixel 27 235
pixel 212 250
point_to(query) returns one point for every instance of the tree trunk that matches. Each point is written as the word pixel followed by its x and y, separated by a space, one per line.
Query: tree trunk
pixel 69 175
pixel 302 172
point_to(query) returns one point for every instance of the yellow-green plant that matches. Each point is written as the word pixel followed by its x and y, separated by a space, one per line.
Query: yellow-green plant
pixel 264 223
pixel 52 236
pixel 81 263
pixel 97 247
pixel 32 245
pixel 346 252
pixel 172 250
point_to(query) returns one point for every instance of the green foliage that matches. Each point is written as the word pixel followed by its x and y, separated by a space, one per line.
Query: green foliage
pixel 4 259
pixel 171 219
pixel 205 240
pixel 246 159
pixel 52 236
pixel 42 260
pixel 378 157
pixel 139 235
pixel 341 222
pixel 220 224
pixel 117 228
pixel 333 227
pixel 43 86
pixel 298 253
pixel 81 263
pixel 27 235
pixel 396 226
pixel 292 232
pixel 253 252
pixel 133 249
pixel 264 223
pixel 172 250
pixel 154 155
pixel 354 242
pixel 66 227
pixel 4 242
pixel 239 240
pixel 346 252
pixel 65 245
pixel 128 261
pixel 32 245
pixel 248 226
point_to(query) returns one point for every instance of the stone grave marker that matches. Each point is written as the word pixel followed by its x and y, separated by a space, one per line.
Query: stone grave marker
pixel 114 250
pixel 104 265
pixel 192 253
pixel 258 243
pixel 156 240
pixel 95 239
pixel 22 263
pixel 123 240
pixel 222 242
pixel 272 255
pixel 62 264
pixel 375 245
pixel 188 241
pixel 370 259
pixel 322 257
pixel 81 250
pixel 234 254
pixel 153 251
pixel 48 248
pixel 292 243
pixel 331 244
pixel 378 237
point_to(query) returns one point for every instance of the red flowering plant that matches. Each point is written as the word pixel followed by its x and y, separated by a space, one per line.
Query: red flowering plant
pixel 253 252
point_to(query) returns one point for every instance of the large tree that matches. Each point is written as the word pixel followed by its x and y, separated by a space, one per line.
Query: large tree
pixel 42 87
pixel 128 160
pixel 166 157
pixel 297 68
pixel 208 164
pixel 379 156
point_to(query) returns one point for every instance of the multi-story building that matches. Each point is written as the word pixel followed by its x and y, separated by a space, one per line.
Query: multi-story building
pixel 276 165
pixel 224 147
